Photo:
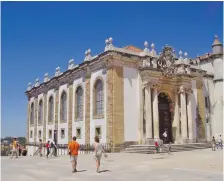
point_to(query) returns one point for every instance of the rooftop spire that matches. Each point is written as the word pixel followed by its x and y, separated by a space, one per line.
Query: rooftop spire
pixel 216 41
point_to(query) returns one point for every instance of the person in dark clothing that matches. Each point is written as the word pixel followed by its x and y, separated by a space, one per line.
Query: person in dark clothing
pixel 48 148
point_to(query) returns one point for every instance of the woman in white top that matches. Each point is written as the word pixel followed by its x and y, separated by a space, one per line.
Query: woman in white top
pixel 98 150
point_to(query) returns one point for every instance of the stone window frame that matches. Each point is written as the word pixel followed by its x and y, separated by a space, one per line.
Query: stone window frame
pixel 32 113
pixel 39 134
pixel 62 137
pixel 94 106
pixel 79 86
pixel 40 111
pixel 50 111
pixel 64 92
pixel 31 133
pixel 96 134
pixel 50 135
pixel 78 136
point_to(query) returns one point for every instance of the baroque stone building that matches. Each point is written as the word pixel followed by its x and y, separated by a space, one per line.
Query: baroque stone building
pixel 128 95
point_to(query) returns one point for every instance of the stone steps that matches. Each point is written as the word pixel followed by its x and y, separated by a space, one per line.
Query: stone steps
pixel 150 149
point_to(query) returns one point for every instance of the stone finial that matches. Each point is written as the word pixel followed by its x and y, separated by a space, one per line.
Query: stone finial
pixel 186 60
pixel 57 71
pixel 71 64
pixel 46 78
pixel 180 54
pixel 174 53
pixel 107 45
pixel 37 83
pixel 29 87
pixel 198 60
pixel 153 52
pixel 88 56
pixel 110 43
pixel 146 50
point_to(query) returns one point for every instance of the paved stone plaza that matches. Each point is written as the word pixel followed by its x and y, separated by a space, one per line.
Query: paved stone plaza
pixel 195 165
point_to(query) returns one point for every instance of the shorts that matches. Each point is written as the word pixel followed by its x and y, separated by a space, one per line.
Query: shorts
pixel 73 158
pixel 98 157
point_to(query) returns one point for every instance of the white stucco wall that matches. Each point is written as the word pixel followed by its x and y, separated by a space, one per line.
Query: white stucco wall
pixel 63 125
pixel 98 122
pixel 51 126
pixel 131 106
pixel 78 123
pixel 194 102
pixel 207 66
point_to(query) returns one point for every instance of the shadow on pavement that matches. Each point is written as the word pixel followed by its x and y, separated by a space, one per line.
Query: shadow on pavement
pixel 104 171
pixel 81 170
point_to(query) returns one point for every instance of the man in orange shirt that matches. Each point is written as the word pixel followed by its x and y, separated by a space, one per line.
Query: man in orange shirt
pixel 73 147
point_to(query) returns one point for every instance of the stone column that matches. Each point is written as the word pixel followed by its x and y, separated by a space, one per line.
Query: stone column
pixel 176 122
pixel 155 114
pixel 189 116
pixel 148 112
pixel 183 115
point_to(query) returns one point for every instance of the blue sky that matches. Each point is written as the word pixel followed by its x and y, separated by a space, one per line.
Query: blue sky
pixel 39 36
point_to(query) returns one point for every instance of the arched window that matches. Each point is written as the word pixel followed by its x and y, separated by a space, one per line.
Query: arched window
pixel 40 112
pixel 51 109
pixel 32 114
pixel 99 97
pixel 64 107
pixel 79 102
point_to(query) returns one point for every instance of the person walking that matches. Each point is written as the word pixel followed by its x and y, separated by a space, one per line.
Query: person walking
pixel 98 150
pixel 165 137
pixel 40 148
pixel 73 148
pixel 14 148
pixel 220 141
pixel 213 143
pixel 48 148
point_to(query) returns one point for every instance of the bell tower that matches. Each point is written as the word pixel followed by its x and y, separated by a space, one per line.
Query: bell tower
pixel 217 51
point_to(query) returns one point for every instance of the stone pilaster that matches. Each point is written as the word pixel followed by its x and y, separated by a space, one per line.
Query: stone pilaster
pixel 56 109
pixel 118 106
pixel 148 112
pixel 109 107
pixel 45 117
pixel 35 119
pixel 183 116
pixel 189 116
pixel 27 123
pixel 176 122
pixel 200 111
pixel 155 114
pixel 70 112
pixel 87 109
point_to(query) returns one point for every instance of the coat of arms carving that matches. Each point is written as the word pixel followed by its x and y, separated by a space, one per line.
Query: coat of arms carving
pixel 166 62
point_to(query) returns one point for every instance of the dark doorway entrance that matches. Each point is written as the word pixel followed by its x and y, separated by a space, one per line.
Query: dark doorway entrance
pixel 164 117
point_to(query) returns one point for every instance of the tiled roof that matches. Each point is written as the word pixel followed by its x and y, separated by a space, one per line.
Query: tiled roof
pixel 133 48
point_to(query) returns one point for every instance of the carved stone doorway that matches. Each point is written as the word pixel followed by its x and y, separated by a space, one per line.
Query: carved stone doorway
pixel 165 123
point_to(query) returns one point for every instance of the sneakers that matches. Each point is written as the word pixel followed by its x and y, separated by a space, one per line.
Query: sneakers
pixel 98 170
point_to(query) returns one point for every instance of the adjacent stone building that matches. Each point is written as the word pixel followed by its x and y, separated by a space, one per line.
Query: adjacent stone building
pixel 128 95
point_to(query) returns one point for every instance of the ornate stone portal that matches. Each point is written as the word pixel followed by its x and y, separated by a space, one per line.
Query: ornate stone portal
pixel 167 100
